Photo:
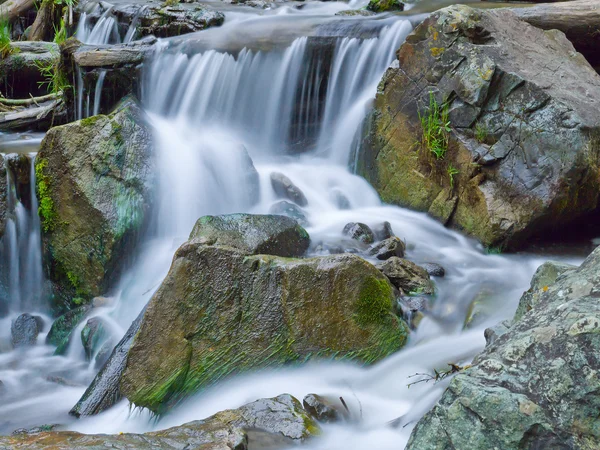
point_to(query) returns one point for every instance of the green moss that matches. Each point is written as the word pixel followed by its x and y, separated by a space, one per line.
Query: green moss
pixel 374 303
pixel 90 121
pixel 385 5
pixel 46 209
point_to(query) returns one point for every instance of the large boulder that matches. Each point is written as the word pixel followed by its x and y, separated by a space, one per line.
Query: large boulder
pixel 221 311
pixel 489 124
pixel 94 180
pixel 535 386
pixel 282 417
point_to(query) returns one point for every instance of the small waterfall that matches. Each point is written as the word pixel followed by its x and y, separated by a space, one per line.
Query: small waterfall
pixel 104 31
pixel 21 244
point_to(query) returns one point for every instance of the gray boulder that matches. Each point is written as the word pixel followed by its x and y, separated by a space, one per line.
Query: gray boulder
pixel 94 182
pixel 535 385
pixel 517 151
pixel 434 269
pixel 407 276
pixel 25 330
pixel 253 234
pixel 387 248
pixel 232 429
pixel 359 232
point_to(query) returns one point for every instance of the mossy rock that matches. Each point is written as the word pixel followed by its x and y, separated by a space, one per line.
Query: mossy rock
pixel 521 155
pixel 94 182
pixel 62 328
pixel 379 6
pixel 220 312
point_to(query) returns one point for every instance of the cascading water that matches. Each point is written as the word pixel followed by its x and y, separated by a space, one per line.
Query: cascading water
pixel 296 110
pixel 104 31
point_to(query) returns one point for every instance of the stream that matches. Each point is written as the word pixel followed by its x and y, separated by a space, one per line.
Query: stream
pixel 297 106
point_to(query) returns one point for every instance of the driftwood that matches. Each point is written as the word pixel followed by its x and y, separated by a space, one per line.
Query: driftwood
pixel 113 56
pixel 29 101
pixel 11 9
pixel 30 117
pixel 579 20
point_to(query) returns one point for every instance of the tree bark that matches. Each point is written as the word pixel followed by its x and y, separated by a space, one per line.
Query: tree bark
pixel 43 26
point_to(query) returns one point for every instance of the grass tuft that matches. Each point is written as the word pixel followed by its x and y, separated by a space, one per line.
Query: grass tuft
pixel 5 31
pixel 436 126
pixel 452 171
pixel 55 80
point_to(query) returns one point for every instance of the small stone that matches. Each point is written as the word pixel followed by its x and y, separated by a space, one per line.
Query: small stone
pixel 359 232
pixel 284 187
pixel 25 330
pixel 93 336
pixel 340 199
pixel 434 270
pixel 324 409
pixel 387 248
pixel 407 276
pixel 383 231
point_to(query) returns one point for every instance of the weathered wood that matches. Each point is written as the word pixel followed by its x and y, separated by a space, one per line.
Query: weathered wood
pixel 579 20
pixel 32 117
pixel 12 9
pixel 43 26
pixel 30 101
pixel 113 56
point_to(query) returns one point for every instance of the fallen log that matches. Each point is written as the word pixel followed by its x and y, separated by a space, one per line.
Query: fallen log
pixel 579 20
pixel 113 56
pixel 32 117
pixel 30 101
pixel 12 9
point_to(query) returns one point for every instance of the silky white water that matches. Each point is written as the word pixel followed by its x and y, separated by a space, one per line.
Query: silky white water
pixel 296 108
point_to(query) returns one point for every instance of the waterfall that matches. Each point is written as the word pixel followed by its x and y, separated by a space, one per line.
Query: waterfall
pixel 22 242
pixel 104 31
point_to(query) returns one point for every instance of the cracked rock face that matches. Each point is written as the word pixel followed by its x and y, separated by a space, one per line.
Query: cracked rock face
pixel 523 144
pixel 536 385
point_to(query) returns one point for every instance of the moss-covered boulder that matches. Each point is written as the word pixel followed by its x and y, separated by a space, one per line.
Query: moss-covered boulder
pixel 62 328
pixel 221 311
pixel 474 125
pixel 385 5
pixel 94 180
pixel 282 418
pixel 253 234
pixel 536 384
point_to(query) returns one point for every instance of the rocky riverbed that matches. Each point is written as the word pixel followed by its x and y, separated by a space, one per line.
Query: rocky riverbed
pixel 210 211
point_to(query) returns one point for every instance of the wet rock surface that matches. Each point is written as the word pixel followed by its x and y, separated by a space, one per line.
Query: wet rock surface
pixel 521 131
pixel 325 409
pixel 387 249
pixel 292 210
pixel 434 269
pixel 253 234
pixel 359 232
pixel 279 417
pixel 407 276
pixel 62 328
pixel 535 384
pixel 25 330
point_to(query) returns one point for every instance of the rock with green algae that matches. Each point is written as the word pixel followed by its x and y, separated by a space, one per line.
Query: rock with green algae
pixel 407 276
pixel 94 182
pixel 524 140
pixel 253 234
pixel 232 429
pixel 536 384
pixel 379 6
pixel 221 311
pixel 62 328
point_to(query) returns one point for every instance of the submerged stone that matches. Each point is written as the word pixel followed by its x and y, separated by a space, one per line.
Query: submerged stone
pixel 62 328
